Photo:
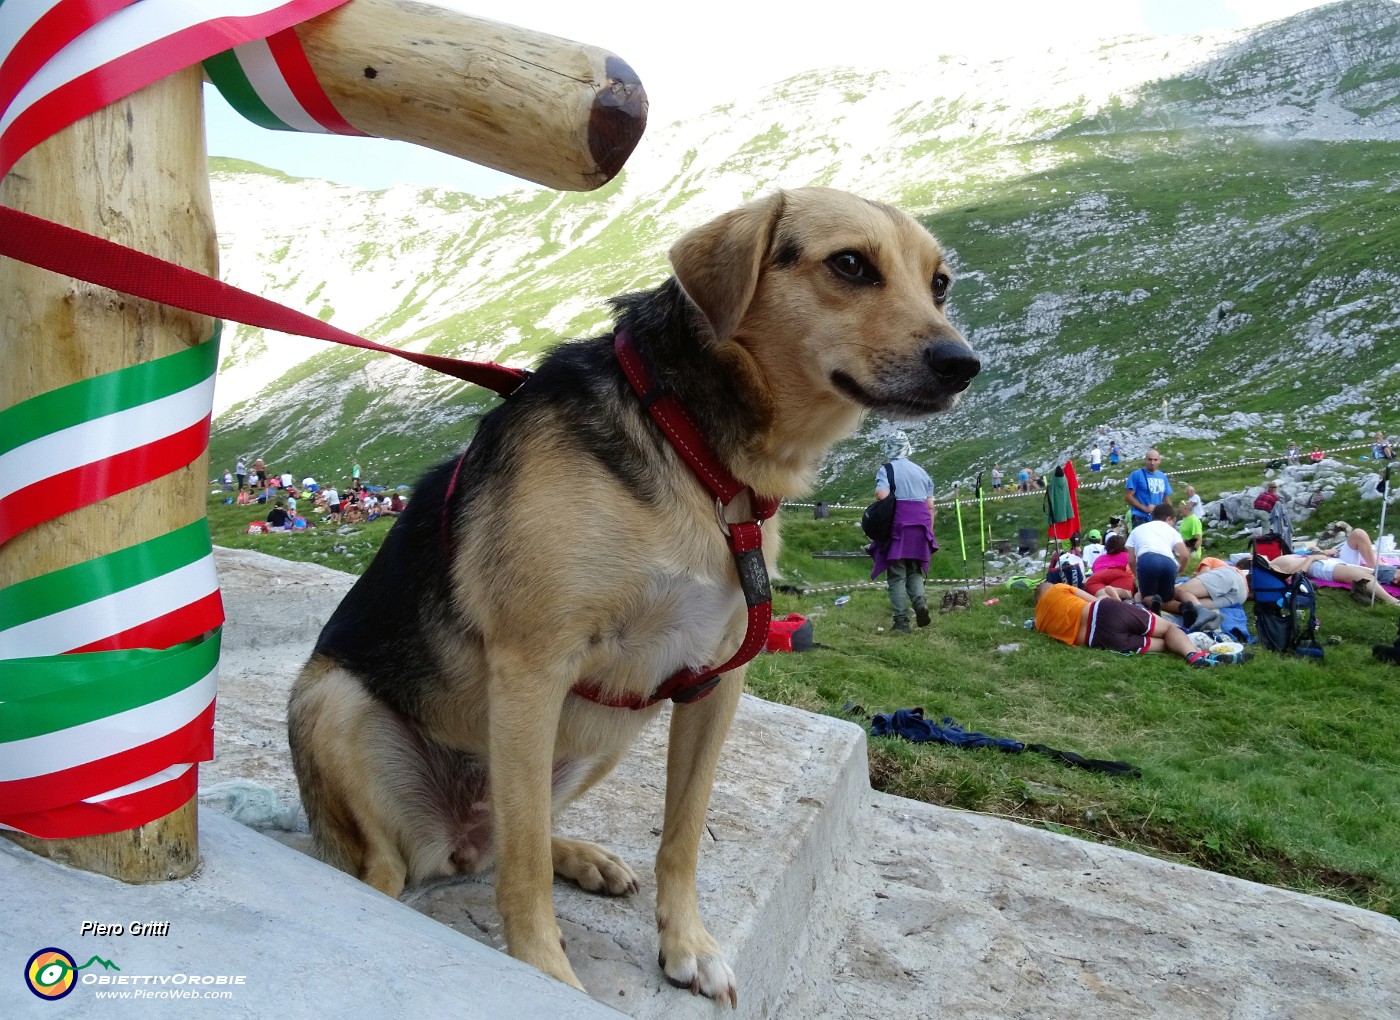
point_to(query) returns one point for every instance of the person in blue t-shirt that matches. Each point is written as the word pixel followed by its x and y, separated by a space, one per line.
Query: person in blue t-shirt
pixel 1145 488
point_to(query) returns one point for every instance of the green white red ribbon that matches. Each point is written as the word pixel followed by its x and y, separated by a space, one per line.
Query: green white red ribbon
pixel 61 60
pixel 81 443
pixel 108 668
pixel 270 82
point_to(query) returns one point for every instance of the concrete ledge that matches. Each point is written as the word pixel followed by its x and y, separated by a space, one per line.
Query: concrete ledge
pixel 308 941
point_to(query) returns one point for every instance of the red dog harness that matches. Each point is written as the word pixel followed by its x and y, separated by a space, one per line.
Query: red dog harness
pixel 745 539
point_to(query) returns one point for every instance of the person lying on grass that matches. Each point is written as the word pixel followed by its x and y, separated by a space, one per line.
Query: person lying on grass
pixel 1077 618
pixel 1217 585
pixel 1328 567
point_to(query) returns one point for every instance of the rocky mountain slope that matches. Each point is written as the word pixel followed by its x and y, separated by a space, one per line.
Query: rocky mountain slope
pixel 1191 242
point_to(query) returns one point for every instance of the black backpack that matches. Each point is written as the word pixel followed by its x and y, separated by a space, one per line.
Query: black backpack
pixel 878 520
pixel 1066 573
pixel 1285 610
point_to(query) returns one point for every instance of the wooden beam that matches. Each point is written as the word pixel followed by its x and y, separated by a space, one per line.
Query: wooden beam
pixel 562 114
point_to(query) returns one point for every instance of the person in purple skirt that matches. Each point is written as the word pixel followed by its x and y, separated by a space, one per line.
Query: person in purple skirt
pixel 904 558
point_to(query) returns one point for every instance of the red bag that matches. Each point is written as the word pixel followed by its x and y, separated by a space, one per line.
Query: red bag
pixel 793 633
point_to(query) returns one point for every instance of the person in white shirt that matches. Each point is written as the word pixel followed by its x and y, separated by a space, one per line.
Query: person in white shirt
pixel 1093 549
pixel 1156 554
pixel 1095 459
pixel 1193 500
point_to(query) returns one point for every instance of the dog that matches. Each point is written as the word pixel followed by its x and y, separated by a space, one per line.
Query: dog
pixel 571 548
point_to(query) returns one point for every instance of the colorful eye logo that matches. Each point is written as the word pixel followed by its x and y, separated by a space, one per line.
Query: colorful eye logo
pixel 50 973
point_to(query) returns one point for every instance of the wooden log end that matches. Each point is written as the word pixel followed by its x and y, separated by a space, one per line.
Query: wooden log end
pixel 159 851
pixel 618 117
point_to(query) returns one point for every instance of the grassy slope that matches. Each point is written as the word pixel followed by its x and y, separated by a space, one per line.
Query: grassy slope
pixel 1223 273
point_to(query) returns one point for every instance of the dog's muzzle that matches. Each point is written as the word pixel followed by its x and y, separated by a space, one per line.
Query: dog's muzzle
pixel 952 364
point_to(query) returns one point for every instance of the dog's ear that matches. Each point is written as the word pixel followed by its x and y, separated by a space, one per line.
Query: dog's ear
pixel 717 265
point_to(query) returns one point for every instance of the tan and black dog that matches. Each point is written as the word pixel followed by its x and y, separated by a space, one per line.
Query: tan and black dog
pixel 438 731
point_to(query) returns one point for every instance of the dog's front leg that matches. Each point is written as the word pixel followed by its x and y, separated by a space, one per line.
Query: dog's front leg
pixel 689 954
pixel 524 718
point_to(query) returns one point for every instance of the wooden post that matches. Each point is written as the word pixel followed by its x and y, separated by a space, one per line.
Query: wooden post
pixel 134 172
pixel 560 113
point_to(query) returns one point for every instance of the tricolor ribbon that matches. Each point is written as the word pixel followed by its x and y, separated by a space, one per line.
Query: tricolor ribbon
pixel 108 668
pixel 271 83
pixel 61 60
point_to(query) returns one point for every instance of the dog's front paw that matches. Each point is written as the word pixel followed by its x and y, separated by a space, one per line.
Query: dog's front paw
pixel 592 868
pixel 697 964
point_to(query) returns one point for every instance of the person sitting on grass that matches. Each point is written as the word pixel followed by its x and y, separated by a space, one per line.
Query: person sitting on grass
pixel 1329 566
pixel 1077 618
pixel 1189 526
pixel 277 516
pixel 1155 555
pixel 1093 548
pixel 1110 573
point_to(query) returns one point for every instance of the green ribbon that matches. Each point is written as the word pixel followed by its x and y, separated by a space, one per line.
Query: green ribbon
pixel 56 692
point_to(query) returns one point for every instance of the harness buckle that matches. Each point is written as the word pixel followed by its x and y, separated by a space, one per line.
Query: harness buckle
pixel 719 516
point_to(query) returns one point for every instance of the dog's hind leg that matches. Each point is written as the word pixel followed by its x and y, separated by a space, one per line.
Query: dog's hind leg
pixel 689 955
pixel 592 868
pixel 589 866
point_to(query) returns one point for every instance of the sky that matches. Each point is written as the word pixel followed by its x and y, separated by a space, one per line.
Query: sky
pixel 698 55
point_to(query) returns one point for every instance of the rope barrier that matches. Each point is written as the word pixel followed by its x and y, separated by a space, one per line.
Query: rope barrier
pixel 1106 483
pixel 970 582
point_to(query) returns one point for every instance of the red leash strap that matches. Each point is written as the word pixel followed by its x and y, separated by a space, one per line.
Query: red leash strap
pixel 745 538
pixel 61 249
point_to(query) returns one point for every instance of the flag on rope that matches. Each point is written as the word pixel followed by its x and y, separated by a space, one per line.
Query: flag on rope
pixel 109 666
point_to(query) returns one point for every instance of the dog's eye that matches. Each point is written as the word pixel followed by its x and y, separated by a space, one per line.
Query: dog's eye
pixel 851 265
pixel 941 283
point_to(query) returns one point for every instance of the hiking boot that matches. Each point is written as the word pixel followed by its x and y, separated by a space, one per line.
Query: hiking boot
pixel 961 599
pixel 1204 659
pixel 921 616
pixel 900 628
pixel 946 606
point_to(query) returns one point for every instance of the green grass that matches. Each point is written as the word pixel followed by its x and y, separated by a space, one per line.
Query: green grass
pixel 347 547
pixel 1281 771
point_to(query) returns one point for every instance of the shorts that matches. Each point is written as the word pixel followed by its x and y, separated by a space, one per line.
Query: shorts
pixel 1322 570
pixel 1385 573
pixel 1156 575
pixel 1120 626
pixel 1225 586
pixel 335 508
pixel 1095 467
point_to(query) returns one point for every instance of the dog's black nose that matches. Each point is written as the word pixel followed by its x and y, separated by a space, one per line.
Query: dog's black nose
pixel 952 364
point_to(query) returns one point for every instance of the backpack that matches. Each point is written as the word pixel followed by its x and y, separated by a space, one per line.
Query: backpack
pixel 878 520
pixel 1066 573
pixel 1270 544
pixel 1285 610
